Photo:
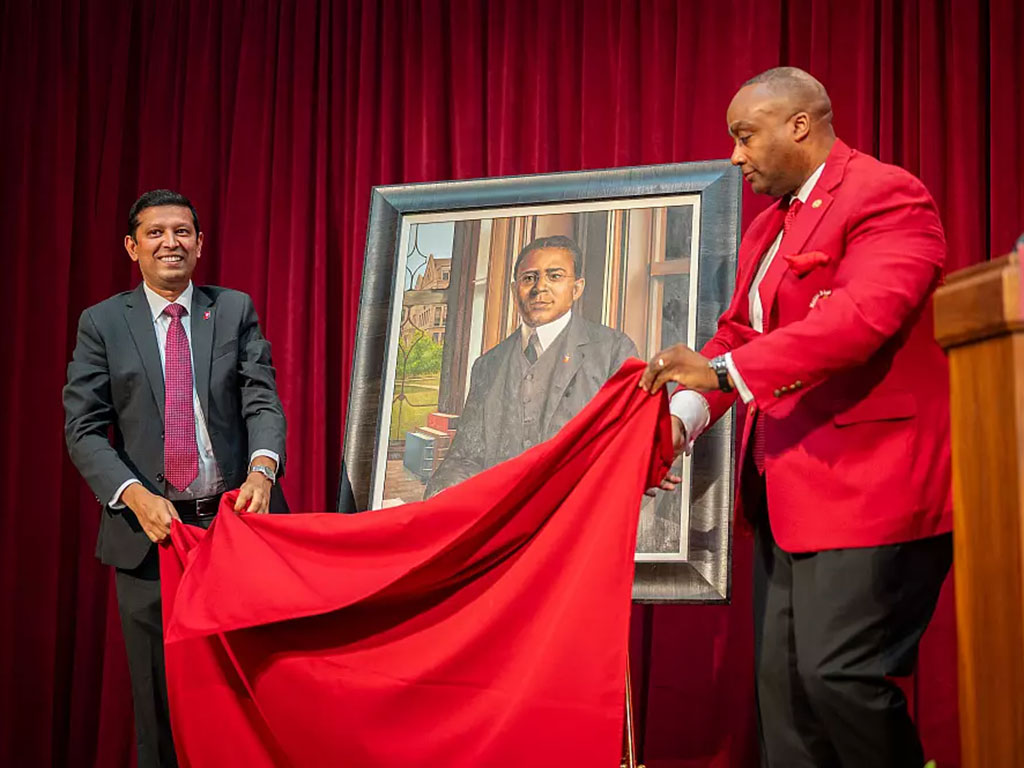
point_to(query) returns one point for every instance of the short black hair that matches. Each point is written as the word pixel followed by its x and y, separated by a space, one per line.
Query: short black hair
pixel 553 241
pixel 154 198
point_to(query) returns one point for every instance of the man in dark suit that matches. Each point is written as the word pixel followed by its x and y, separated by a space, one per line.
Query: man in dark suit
pixel 845 457
pixel 530 385
pixel 183 377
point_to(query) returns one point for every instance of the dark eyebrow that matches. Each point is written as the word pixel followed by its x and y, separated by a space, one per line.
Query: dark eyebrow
pixel 169 225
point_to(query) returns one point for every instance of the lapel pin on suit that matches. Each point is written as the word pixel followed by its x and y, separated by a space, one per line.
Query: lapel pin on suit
pixel 816 203
pixel 566 358
pixel 206 315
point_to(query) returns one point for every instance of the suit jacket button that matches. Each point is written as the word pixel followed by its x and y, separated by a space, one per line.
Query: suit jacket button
pixel 777 393
pixel 159 477
pixel 798 384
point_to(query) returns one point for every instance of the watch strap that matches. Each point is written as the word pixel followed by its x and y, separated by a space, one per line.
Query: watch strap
pixel 264 470
pixel 721 369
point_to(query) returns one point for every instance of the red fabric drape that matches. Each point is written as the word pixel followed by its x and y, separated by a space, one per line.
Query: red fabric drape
pixel 453 632
pixel 277 118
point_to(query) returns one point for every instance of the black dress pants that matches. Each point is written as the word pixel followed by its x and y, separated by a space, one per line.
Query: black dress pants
pixel 831 628
pixel 138 601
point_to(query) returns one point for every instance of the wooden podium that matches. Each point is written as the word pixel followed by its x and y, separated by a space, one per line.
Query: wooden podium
pixel 979 320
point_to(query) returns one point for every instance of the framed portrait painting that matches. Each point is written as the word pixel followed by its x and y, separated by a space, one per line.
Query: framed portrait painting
pixel 492 310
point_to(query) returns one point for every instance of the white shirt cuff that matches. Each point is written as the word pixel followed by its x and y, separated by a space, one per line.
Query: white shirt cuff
pixel 115 502
pixel 269 455
pixel 741 388
pixel 692 409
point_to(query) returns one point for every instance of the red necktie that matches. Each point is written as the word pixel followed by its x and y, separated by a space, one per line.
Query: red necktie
pixel 794 209
pixel 181 455
pixel 758 447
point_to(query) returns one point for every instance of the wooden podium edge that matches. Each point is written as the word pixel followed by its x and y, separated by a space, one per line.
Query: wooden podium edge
pixel 979 320
pixel 980 302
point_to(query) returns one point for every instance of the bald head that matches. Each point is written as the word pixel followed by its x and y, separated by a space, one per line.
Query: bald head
pixel 781 122
pixel 800 90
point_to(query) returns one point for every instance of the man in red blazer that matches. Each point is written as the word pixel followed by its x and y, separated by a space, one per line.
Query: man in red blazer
pixel 844 461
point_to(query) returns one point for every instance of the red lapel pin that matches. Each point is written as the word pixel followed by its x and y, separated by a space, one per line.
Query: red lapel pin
pixel 206 315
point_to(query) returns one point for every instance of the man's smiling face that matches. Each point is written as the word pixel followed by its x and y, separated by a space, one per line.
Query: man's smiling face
pixel 166 246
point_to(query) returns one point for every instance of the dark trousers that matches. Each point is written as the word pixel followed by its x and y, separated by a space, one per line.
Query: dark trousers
pixel 138 600
pixel 831 628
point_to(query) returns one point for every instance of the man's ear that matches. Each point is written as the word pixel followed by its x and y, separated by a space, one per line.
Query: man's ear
pixel 131 246
pixel 577 288
pixel 199 246
pixel 801 126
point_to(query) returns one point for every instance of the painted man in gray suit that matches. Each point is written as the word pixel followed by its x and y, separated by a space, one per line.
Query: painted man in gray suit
pixel 182 376
pixel 530 385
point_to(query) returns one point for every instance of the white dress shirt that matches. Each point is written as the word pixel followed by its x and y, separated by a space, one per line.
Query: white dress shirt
pixel 209 481
pixel 691 407
pixel 547 333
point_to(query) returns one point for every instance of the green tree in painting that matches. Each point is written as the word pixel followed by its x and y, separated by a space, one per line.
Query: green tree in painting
pixel 422 356
pixel 418 374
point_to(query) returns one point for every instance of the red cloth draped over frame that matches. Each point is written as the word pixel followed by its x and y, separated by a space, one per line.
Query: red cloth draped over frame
pixel 484 627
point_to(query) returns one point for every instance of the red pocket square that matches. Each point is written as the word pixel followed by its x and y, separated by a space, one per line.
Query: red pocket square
pixel 802 263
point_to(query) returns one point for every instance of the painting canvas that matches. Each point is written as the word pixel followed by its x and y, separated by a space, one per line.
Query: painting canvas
pixel 493 310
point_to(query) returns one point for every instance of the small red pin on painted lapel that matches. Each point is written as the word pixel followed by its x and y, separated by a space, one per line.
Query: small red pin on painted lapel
pixel 206 315
pixel 566 358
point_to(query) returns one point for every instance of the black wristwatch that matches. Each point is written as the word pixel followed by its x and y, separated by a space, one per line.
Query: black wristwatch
pixel 718 365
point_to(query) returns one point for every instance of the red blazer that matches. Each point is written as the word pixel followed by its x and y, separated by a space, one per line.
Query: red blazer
pixel 850 383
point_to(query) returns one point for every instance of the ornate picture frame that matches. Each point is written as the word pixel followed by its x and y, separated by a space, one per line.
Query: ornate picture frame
pixel 658 251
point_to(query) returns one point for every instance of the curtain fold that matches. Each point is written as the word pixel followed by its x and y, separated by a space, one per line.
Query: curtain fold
pixel 277 118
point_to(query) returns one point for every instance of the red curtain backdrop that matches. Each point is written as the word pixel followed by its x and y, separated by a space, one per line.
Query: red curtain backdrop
pixel 277 118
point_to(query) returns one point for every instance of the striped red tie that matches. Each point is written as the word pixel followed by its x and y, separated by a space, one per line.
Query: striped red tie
pixel 794 209
pixel 181 455
pixel 758 447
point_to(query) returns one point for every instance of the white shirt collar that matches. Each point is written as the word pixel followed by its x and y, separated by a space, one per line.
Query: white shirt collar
pixel 808 186
pixel 548 332
pixel 157 303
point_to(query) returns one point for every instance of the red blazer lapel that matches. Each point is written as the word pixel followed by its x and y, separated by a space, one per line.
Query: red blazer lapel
pixel 806 221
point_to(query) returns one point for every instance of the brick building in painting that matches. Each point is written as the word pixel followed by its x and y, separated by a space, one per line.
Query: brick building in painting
pixel 430 318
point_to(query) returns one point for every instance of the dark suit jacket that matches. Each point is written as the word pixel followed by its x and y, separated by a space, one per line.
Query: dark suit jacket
pixel 491 429
pixel 115 379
